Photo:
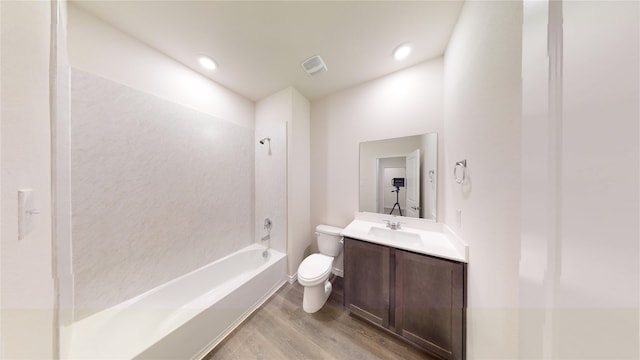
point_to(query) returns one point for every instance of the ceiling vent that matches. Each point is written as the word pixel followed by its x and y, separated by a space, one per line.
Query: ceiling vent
pixel 314 65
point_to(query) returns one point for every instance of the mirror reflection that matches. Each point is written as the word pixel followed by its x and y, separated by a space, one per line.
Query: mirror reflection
pixel 399 176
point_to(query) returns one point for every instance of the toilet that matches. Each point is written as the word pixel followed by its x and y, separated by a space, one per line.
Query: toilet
pixel 315 269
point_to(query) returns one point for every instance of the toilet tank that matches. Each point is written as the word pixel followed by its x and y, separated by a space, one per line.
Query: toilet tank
pixel 329 240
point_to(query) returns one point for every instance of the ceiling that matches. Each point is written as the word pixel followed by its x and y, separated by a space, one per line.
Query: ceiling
pixel 259 45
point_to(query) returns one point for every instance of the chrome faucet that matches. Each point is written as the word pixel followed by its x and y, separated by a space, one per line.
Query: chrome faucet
pixel 267 225
pixel 393 225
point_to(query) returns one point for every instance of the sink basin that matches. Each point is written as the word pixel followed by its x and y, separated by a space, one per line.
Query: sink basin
pixel 395 235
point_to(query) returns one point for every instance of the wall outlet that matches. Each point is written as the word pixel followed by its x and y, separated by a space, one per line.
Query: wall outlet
pixel 459 217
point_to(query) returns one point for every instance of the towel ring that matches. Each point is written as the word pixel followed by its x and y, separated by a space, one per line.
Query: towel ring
pixel 462 175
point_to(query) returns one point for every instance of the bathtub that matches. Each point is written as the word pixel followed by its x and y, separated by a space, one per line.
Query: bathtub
pixel 184 318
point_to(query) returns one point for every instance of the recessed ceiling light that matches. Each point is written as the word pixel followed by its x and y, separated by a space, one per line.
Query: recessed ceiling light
pixel 402 51
pixel 207 63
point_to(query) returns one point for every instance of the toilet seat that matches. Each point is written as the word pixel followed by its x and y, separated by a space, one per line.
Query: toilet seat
pixel 315 268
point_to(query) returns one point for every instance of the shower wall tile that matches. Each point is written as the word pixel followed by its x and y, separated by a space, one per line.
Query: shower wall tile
pixel 157 190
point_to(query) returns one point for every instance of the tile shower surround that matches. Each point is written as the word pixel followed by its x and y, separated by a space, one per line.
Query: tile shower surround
pixel 157 190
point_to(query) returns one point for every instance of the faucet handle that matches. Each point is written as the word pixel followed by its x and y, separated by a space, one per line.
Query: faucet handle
pixel 388 223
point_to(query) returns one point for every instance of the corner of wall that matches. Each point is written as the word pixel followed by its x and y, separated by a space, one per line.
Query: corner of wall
pixel 482 97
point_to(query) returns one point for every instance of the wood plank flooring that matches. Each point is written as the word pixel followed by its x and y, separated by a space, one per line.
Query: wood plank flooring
pixel 280 329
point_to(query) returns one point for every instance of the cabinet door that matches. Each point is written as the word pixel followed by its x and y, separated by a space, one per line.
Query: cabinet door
pixel 367 275
pixel 430 303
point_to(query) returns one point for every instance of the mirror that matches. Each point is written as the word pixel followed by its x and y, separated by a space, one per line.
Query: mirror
pixel 399 176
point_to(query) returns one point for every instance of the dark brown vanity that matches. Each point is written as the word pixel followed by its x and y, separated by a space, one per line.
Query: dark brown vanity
pixel 418 297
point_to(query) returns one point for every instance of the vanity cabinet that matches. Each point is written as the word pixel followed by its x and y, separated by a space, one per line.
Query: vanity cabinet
pixel 418 297
pixel 368 291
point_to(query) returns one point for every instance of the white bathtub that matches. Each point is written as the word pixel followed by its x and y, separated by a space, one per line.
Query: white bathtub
pixel 184 318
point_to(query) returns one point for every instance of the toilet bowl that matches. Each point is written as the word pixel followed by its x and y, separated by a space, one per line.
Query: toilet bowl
pixel 315 269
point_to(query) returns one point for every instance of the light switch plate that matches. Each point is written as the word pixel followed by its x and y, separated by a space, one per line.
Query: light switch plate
pixel 26 211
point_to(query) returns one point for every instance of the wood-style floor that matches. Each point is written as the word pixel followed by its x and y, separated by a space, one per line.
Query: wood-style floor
pixel 280 329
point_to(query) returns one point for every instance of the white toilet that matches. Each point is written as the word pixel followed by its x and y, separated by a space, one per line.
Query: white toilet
pixel 315 269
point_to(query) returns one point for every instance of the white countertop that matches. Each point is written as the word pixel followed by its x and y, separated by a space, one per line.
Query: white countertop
pixel 417 235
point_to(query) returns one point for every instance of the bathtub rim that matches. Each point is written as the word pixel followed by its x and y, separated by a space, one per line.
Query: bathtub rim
pixel 71 347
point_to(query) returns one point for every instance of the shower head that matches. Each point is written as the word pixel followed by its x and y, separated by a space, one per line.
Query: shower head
pixel 265 139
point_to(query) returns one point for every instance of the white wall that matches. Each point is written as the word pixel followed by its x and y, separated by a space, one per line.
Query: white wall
pixel 272 115
pixel 482 125
pixel 300 233
pixel 408 102
pixel 282 177
pixel 578 269
pixel 61 169
pixel 582 253
pixel 537 200
pixel 99 48
pixel 27 287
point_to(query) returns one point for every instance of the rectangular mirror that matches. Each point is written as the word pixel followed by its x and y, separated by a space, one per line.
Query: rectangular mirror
pixel 399 176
